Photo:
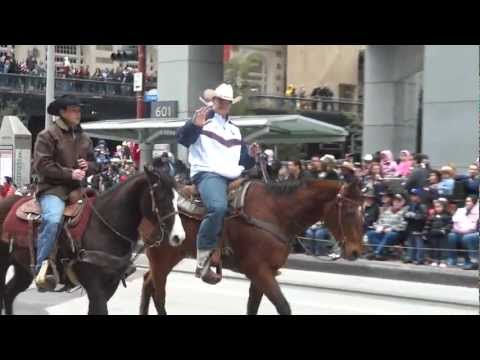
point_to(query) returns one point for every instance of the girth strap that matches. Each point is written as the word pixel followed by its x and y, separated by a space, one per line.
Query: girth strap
pixel 109 263
pixel 267 226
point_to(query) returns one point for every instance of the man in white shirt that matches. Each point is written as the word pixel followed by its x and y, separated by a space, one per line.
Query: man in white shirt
pixel 217 156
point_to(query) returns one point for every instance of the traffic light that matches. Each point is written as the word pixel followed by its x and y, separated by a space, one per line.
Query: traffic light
pixel 126 54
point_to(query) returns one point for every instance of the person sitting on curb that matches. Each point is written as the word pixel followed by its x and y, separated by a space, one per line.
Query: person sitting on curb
pixel 465 234
pixel 437 228
pixel 388 228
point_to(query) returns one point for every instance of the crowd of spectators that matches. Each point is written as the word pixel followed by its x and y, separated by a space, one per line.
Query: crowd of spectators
pixel 322 94
pixel 123 74
pixel 412 212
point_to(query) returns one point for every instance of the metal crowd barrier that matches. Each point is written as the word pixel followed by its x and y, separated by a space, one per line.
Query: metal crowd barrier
pixel 36 84
pixel 308 103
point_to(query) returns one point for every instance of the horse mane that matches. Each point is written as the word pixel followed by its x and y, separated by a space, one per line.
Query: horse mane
pixel 164 179
pixel 289 187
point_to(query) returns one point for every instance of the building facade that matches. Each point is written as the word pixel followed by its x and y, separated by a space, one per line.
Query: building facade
pixel 93 56
pixel 267 74
pixel 335 66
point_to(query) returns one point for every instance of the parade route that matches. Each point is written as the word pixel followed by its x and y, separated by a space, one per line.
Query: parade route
pixel 309 293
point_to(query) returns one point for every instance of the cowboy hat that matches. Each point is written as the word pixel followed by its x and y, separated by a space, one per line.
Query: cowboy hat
pixel 62 103
pixel 348 165
pixel 328 159
pixel 224 92
pixel 447 170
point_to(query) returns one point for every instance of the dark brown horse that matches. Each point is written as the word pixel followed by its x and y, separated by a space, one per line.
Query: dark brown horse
pixel 292 207
pixel 109 239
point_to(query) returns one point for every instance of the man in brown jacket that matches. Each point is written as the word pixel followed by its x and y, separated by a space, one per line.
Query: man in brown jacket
pixel 63 156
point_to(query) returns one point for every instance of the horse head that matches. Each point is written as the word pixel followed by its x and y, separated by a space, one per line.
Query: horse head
pixel 344 218
pixel 162 209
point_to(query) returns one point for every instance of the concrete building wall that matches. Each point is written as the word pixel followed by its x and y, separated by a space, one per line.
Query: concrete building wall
pixel 331 65
pixel 448 75
pixel 393 79
pixel 451 104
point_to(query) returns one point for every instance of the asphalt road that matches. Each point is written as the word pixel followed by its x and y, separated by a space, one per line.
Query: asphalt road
pixel 309 293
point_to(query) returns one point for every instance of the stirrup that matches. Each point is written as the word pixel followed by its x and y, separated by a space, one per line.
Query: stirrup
pixel 44 281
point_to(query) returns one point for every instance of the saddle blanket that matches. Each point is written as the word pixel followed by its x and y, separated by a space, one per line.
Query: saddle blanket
pixel 18 230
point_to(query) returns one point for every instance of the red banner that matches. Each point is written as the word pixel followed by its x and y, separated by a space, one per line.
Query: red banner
pixel 227 52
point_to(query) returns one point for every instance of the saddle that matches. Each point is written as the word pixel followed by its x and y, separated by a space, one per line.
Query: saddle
pixel 22 221
pixel 191 205
pixel 31 210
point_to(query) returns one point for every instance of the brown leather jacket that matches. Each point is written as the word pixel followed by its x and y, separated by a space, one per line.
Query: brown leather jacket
pixel 57 150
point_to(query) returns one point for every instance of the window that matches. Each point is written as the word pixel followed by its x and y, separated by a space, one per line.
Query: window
pixel 346 91
pixel 105 47
pixel 66 49
pixel 279 66
pixel 104 60
pixel 279 53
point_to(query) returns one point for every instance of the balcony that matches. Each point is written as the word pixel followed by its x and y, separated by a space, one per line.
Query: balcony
pixel 336 111
pixel 35 84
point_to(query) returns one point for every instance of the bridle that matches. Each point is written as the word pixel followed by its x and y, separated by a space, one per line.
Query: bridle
pixel 341 198
pixel 155 209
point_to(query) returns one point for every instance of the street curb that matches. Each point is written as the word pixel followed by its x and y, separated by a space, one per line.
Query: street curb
pixel 384 270
pixel 365 268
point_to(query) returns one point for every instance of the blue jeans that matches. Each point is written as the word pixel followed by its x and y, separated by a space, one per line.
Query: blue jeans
pixel 416 244
pixel 213 191
pixel 378 241
pixel 319 233
pixel 467 241
pixel 470 242
pixel 52 215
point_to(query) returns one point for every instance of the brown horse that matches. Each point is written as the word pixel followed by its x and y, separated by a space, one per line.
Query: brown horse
pixel 290 206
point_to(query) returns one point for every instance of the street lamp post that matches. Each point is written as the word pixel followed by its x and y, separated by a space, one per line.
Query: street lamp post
pixel 50 90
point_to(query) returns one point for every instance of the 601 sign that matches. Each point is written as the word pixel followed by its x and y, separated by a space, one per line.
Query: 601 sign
pixel 165 109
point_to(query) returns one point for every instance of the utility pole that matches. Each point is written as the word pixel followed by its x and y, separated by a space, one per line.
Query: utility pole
pixel 50 90
pixel 141 69
pixel 146 149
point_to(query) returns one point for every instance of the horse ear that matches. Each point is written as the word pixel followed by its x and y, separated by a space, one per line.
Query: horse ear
pixel 149 172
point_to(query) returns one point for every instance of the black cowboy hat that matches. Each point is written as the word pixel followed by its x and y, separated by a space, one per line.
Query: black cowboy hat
pixel 61 103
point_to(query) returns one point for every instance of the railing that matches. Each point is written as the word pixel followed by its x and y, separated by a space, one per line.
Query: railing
pixel 287 103
pixel 36 84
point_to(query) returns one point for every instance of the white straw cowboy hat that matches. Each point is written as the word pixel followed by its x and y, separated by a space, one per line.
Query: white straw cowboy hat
pixel 224 92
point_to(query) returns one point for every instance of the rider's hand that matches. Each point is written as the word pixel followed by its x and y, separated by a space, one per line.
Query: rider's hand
pixel 78 174
pixel 83 164
pixel 200 118
pixel 254 150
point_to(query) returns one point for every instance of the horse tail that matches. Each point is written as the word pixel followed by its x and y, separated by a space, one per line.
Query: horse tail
pixel 147 292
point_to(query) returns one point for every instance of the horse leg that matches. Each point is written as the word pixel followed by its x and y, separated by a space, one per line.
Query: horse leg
pixel 20 282
pixel 97 300
pixel 90 277
pixel 147 292
pixel 161 264
pixel 4 265
pixel 264 280
pixel 254 299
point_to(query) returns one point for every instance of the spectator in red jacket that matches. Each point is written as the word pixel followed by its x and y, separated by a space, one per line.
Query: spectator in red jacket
pixel 8 189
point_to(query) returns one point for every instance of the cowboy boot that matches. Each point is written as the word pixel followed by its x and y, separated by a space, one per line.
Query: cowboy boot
pixel 203 270
pixel 44 281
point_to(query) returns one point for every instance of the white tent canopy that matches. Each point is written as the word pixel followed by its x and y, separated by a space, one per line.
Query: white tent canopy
pixel 271 129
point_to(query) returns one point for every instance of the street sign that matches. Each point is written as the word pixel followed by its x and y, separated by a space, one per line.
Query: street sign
pixel 137 81
pixel 164 109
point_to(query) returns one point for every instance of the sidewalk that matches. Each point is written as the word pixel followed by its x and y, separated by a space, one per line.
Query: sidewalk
pixel 395 270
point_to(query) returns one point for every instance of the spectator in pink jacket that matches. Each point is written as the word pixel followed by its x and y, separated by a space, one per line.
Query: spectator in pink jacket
pixel 465 234
pixel 404 168
pixel 389 166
